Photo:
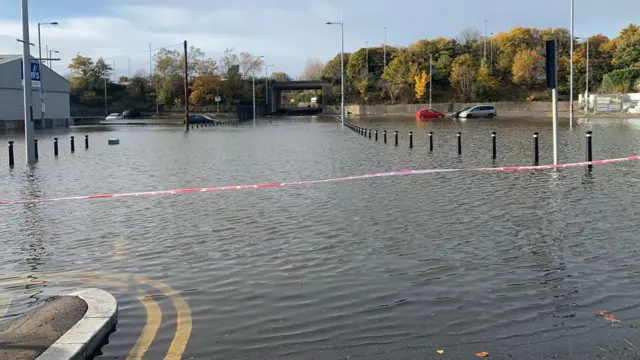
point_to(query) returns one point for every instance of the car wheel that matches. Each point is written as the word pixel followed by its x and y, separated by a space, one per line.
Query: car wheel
pixel 441 116
pixel 490 116
pixel 469 116
pixel 421 117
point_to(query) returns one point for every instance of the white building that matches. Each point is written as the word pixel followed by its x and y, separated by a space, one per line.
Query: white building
pixel 57 109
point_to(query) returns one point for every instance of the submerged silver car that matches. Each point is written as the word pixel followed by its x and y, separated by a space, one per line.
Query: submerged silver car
pixel 480 111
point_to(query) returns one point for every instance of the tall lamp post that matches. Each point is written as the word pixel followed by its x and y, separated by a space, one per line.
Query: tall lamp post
pixel 42 106
pixel 367 56
pixel 51 52
pixel 571 70
pixel 384 51
pixel 266 84
pixel 341 23
pixel 485 41
pixel 586 92
pixel 26 70
pixel 254 84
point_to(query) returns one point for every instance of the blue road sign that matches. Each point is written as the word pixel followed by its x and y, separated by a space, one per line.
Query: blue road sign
pixel 35 74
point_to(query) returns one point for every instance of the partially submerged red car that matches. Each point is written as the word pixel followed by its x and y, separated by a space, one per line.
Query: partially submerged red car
pixel 428 114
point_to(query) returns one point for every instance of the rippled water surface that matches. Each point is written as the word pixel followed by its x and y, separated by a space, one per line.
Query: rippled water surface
pixel 514 263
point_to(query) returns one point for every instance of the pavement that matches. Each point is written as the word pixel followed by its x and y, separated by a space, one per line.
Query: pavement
pixel 66 327
pixel 31 334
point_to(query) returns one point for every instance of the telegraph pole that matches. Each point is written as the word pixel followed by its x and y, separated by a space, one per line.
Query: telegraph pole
pixel 26 71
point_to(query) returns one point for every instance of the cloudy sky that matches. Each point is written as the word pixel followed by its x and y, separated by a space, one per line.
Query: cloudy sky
pixel 286 32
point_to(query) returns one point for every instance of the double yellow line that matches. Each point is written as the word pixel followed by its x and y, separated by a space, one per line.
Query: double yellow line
pixel 152 309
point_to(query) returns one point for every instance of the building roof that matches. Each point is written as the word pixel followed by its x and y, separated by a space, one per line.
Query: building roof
pixel 7 58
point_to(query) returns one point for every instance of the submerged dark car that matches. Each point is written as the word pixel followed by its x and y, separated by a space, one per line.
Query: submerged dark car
pixel 457 113
pixel 201 119
pixel 130 114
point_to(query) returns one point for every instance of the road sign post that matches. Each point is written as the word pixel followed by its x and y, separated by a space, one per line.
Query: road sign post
pixel 35 74
pixel 552 83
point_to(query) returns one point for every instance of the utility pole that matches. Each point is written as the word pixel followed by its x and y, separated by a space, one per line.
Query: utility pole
pixel 571 71
pixel 485 41
pixel 384 67
pixel 586 95
pixel 115 77
pixel 430 78
pixel 129 77
pixel 26 71
pixel 186 88
pixel 367 57
pixel 106 106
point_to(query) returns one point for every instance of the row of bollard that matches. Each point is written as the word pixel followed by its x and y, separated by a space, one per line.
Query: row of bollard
pixel 55 147
pixel 216 123
pixel 494 149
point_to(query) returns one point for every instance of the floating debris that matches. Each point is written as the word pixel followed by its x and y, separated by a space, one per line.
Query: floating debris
pixel 440 352
pixel 482 354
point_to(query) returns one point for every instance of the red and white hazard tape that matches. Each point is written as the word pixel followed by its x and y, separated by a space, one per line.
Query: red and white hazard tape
pixel 308 182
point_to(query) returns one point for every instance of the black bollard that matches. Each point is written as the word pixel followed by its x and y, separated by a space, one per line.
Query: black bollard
pixel 11 160
pixel 459 143
pixel 430 141
pixel 369 133
pixel 493 145
pixel 86 141
pixel 376 135
pixel 536 156
pixel 35 146
pixel 55 146
pixel 589 148
pixel 73 145
pixel 396 136
pixel 410 139
pixel 384 134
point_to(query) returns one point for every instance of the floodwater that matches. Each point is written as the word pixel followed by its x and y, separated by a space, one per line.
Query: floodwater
pixel 513 263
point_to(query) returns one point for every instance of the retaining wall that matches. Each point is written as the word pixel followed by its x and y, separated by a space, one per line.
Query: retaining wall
pixel 503 108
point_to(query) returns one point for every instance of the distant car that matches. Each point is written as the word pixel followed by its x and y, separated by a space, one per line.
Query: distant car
pixel 114 116
pixel 457 113
pixel 128 114
pixel 480 111
pixel 201 119
pixel 428 114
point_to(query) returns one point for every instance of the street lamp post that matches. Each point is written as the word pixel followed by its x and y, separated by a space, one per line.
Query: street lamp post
pixel 129 77
pixel 266 84
pixel 26 70
pixel 341 23
pixel 254 85
pixel 571 70
pixel 42 105
pixel 51 52
pixel 367 56
pixel 491 55
pixel 384 66
pixel 485 41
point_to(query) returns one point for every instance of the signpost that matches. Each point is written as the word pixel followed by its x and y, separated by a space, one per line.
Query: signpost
pixel 550 66
pixel 28 107
pixel 35 74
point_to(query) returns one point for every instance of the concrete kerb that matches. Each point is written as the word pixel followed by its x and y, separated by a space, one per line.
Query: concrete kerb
pixel 84 337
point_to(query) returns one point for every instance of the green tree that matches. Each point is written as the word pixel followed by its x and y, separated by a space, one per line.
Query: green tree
pixel 398 76
pixel 463 75
pixel 627 53
pixel 280 76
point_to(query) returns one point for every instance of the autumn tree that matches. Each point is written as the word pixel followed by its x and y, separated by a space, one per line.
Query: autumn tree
pixel 204 90
pixel 509 44
pixel 313 69
pixel 463 75
pixel 525 68
pixel 421 81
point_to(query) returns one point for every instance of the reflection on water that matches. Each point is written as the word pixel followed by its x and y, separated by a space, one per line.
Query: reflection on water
pixel 511 263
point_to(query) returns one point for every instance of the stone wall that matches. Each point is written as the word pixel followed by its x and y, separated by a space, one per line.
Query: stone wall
pixel 503 108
